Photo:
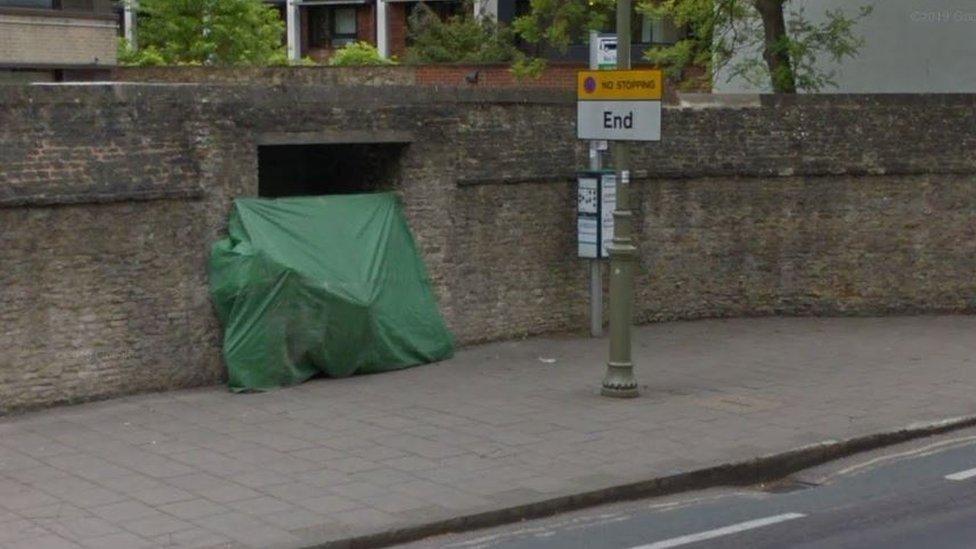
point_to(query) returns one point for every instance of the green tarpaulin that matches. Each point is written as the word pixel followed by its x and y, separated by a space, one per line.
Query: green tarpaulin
pixel 330 284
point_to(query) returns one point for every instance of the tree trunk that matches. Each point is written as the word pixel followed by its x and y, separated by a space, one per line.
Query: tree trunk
pixel 777 58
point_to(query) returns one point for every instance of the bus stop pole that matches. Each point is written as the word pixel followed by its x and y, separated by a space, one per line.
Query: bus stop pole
pixel 596 270
pixel 619 381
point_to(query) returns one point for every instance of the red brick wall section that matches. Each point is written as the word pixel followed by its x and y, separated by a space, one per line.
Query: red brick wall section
pixel 396 20
pixel 366 24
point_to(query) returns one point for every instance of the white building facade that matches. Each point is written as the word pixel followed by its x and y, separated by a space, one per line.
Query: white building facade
pixel 911 46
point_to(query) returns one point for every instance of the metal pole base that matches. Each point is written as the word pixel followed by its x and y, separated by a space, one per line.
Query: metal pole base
pixel 596 299
pixel 620 381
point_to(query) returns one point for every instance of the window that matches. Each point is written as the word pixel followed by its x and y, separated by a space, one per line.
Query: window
pixel 331 27
pixel 37 4
pixel 318 27
pixel 67 5
pixel 522 7
pixel 343 27
pixel 443 10
pixel 80 5
pixel 440 10
pixel 658 31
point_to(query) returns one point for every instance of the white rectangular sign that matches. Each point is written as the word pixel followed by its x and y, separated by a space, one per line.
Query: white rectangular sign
pixel 604 51
pixel 596 200
pixel 622 105
pixel 587 232
pixel 587 221
pixel 608 203
pixel 619 120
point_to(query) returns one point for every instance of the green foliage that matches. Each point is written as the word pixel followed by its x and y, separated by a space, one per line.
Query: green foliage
pixel 554 25
pixel 834 39
pixel 358 54
pixel 698 18
pixel 207 32
pixel 558 23
pixel 528 67
pixel 459 39
pixel 146 57
pixel 730 36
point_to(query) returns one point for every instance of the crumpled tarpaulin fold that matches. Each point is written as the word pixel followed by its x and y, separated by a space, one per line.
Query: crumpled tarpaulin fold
pixel 329 284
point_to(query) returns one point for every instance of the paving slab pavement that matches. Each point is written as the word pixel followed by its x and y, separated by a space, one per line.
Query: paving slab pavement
pixel 499 426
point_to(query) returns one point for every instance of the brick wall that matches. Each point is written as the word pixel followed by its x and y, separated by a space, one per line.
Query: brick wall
pixel 110 197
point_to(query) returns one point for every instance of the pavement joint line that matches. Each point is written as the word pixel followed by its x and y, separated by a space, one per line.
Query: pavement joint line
pixel 724 531
pixel 767 468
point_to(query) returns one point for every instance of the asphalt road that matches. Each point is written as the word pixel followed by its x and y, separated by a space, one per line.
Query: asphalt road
pixel 919 494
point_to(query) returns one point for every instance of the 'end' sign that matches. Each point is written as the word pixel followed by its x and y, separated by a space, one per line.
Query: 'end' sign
pixel 619 105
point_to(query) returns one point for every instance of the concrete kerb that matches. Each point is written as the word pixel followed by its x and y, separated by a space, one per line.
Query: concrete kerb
pixel 762 469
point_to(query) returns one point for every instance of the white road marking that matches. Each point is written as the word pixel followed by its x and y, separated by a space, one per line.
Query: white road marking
pixel 688 502
pixel 913 453
pixel 962 475
pixel 719 532
pixel 541 531
pixel 602 523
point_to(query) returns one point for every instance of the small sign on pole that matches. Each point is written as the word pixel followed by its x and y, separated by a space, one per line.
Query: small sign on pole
pixel 588 215
pixel 596 200
pixel 619 105
pixel 603 51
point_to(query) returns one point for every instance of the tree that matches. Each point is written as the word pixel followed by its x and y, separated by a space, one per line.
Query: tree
pixel 761 41
pixel 558 23
pixel 552 25
pixel 463 38
pixel 207 32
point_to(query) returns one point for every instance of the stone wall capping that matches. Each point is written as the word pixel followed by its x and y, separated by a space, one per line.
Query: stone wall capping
pixel 714 100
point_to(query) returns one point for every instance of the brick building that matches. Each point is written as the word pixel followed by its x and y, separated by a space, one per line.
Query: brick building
pixel 326 25
pixel 76 39
pixel 316 28
pixel 52 40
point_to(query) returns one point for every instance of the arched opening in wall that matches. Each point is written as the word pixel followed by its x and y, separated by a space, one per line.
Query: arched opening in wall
pixel 308 169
